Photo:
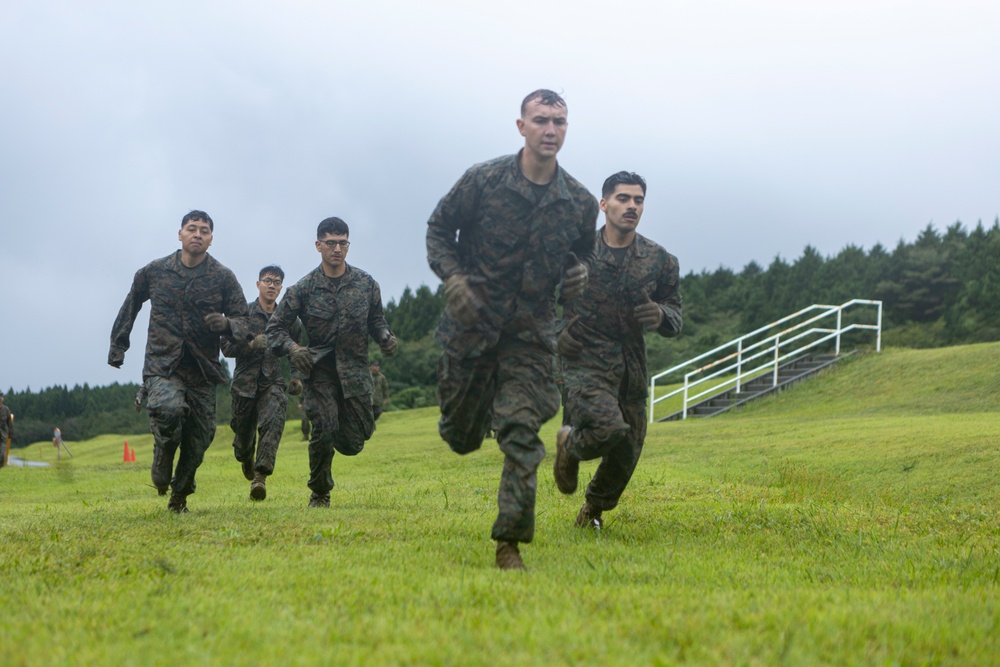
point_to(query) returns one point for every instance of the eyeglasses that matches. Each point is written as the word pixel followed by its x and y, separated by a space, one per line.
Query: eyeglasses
pixel 271 281
pixel 333 244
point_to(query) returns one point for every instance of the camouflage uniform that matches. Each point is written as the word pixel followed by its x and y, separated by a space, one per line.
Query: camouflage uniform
pixel 258 390
pixel 380 394
pixel 513 240
pixel 606 386
pixel 182 357
pixel 338 316
pixel 6 431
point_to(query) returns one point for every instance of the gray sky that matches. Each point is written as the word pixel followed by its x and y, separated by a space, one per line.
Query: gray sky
pixel 761 127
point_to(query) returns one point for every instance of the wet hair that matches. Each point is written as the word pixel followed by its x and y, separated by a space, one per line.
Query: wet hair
pixel 198 215
pixel 334 226
pixel 274 270
pixel 622 178
pixel 544 96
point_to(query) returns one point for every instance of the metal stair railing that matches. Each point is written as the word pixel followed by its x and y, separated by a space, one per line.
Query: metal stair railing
pixel 734 367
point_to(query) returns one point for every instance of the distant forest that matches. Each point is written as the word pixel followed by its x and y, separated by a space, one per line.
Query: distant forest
pixel 941 289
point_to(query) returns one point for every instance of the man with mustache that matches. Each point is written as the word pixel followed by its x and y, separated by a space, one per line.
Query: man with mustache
pixel 633 288
pixel 507 235
pixel 194 300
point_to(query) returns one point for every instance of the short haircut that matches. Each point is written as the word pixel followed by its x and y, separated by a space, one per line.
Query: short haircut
pixel 622 178
pixel 198 215
pixel 544 96
pixel 334 226
pixel 274 270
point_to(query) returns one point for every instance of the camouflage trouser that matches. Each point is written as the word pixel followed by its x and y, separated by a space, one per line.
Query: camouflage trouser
pixel 181 415
pixel 376 411
pixel 338 425
pixel 304 425
pixel 608 427
pixel 511 388
pixel 265 413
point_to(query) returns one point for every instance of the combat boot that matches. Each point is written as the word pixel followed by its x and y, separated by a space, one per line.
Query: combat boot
pixel 258 490
pixel 566 469
pixel 248 470
pixel 162 471
pixel 177 503
pixel 317 500
pixel 589 517
pixel 508 556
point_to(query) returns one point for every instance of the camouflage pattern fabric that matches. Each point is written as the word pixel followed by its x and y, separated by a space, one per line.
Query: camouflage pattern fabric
pixel 255 369
pixel 511 389
pixel 181 416
pixel 513 244
pixel 259 403
pixel 338 424
pixel 182 357
pixel 604 388
pixel 6 431
pixel 180 299
pixel 264 414
pixel 380 394
pixel 512 239
pixel 338 317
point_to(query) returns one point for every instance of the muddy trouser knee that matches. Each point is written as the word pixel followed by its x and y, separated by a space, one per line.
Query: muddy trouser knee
pixel 593 410
pixel 526 397
pixel 618 464
pixel 181 416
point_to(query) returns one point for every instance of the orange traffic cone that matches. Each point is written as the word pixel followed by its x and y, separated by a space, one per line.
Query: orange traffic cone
pixel 131 454
pixel 125 457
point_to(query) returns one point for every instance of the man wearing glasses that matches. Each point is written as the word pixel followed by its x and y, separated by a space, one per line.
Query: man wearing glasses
pixel 508 234
pixel 258 389
pixel 194 300
pixel 339 306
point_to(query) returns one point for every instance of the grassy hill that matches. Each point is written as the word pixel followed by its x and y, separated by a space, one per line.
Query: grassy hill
pixel 854 519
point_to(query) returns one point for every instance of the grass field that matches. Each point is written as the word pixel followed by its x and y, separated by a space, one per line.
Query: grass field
pixel 853 520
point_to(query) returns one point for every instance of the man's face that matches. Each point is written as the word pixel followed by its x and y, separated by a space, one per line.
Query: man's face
pixel 623 208
pixel 195 237
pixel 333 249
pixel 543 128
pixel 269 287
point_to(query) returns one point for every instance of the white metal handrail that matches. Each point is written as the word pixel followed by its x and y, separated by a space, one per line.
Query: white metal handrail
pixel 730 364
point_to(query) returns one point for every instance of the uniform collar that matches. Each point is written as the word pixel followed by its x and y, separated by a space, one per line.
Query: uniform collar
pixel 516 181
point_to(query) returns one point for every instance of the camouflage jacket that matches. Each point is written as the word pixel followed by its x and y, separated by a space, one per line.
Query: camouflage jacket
pixel 180 298
pixel 338 318
pixel 255 368
pixel 6 428
pixel 381 392
pixel 513 248
pixel 614 346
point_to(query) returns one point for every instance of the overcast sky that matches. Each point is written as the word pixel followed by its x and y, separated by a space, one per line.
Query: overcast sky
pixel 760 127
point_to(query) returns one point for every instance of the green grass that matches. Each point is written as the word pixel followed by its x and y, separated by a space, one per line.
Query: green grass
pixel 853 520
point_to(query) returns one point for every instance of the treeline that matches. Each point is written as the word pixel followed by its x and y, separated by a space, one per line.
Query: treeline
pixel 942 289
